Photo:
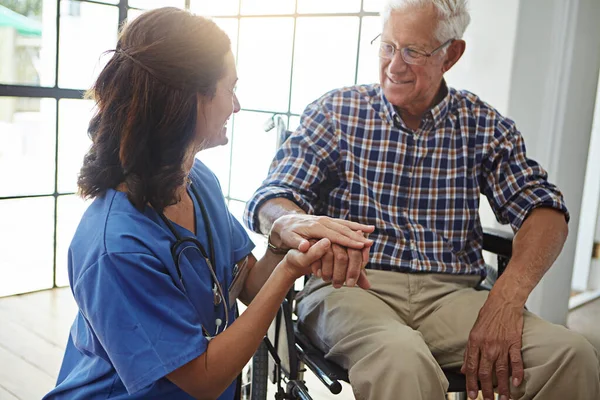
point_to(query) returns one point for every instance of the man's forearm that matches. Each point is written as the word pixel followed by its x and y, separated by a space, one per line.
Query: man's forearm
pixel 273 209
pixel 535 247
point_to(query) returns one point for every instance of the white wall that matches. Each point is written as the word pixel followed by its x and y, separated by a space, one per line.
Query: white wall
pixel 486 66
pixel 552 94
pixel 589 220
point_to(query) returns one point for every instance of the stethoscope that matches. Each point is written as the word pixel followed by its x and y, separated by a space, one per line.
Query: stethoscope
pixel 193 243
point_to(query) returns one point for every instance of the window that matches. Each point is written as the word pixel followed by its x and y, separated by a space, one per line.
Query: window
pixel 289 52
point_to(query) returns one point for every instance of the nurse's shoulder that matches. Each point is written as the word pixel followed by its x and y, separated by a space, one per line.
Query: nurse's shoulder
pixel 112 225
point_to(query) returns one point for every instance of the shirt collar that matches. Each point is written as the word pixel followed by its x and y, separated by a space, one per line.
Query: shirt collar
pixel 439 112
pixel 431 119
pixel 388 111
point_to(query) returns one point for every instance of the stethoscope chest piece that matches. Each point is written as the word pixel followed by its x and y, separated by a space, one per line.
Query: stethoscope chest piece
pixel 217 298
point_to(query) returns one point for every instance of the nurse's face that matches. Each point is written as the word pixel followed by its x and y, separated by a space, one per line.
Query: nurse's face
pixel 213 114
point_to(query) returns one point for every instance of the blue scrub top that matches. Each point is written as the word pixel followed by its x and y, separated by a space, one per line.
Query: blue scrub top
pixel 136 321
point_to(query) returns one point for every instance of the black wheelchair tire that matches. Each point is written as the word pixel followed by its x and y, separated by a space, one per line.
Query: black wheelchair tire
pixel 256 376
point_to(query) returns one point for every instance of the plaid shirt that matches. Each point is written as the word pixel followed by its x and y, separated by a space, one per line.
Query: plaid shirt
pixel 353 158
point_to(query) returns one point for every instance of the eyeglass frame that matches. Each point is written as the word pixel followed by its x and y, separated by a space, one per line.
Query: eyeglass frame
pixel 420 52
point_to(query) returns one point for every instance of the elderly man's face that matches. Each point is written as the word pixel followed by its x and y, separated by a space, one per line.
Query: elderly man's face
pixel 405 85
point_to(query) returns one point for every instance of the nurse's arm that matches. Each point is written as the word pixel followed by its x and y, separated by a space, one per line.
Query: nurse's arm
pixel 289 227
pixel 207 376
pixel 259 273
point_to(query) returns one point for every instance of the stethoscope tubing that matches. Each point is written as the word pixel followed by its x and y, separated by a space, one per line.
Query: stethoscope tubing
pixel 192 242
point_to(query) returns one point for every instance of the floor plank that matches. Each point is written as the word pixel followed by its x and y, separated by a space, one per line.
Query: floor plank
pixel 586 320
pixel 22 379
pixel 6 395
pixel 47 314
pixel 34 349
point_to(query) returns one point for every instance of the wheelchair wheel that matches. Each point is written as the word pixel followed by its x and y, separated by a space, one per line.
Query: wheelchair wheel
pixel 254 376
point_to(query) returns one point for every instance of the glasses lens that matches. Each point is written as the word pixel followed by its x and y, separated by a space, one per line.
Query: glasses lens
pixel 411 56
pixel 386 50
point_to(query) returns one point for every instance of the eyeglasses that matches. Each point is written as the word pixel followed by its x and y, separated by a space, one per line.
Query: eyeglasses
pixel 409 55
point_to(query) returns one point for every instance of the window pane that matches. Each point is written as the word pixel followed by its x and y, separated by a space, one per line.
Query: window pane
pixel 373 5
pixel 211 7
pixel 149 4
pixel 266 7
pixel 230 26
pixel 132 14
pixel 253 151
pixel 217 159
pixel 328 6
pixel 294 123
pixel 73 141
pixel 368 63
pixel 86 31
pixel 264 63
pixel 236 208
pixel 70 210
pixel 28 42
pixel 27 142
pixel 26 245
pixel 325 57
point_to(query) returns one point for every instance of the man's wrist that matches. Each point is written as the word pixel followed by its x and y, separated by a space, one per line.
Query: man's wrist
pixel 509 292
pixel 274 240
pixel 276 249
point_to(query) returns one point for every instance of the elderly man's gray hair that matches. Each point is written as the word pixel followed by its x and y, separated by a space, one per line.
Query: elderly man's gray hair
pixel 453 15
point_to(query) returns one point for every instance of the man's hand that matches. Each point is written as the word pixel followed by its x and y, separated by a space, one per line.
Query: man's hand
pixel 295 230
pixel 341 264
pixel 494 348
pixel 290 227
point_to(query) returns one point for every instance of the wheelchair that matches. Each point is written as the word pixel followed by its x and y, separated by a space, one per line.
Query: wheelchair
pixel 286 352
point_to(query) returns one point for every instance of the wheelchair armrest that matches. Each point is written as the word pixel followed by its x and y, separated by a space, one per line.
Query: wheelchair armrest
pixel 498 242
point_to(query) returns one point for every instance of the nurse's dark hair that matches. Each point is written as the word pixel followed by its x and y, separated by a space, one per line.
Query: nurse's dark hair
pixel 146 105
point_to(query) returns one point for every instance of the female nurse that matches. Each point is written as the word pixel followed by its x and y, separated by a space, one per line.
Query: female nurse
pixel 157 261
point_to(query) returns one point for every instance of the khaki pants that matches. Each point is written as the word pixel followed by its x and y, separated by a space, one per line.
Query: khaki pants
pixel 395 338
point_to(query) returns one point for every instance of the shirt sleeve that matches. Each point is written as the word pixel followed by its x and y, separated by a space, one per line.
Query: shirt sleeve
pixel 513 183
pixel 242 244
pixel 145 324
pixel 301 164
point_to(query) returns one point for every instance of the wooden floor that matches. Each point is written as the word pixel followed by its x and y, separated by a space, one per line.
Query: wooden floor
pixel 33 334
pixel 34 330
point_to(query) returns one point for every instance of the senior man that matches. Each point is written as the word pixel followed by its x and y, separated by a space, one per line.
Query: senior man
pixel 411 156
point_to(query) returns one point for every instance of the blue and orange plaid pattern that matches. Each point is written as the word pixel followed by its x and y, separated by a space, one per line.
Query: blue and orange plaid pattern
pixel 353 158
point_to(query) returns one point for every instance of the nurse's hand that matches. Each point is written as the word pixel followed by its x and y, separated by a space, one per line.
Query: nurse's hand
pixel 298 264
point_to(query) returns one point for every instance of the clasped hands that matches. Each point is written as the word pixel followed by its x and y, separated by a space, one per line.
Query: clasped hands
pixel 344 260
